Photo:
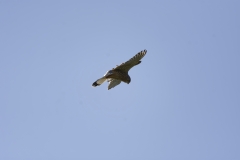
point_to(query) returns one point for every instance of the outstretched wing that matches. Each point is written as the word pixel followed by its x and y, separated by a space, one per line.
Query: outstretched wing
pixel 113 82
pixel 132 62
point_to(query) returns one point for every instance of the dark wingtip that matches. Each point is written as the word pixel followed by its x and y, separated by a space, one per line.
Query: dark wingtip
pixel 95 84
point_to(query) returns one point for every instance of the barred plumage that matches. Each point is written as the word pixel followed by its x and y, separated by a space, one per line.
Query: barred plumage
pixel 120 73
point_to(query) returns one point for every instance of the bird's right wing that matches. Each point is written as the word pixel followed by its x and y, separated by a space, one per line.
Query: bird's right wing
pixel 132 62
pixel 113 82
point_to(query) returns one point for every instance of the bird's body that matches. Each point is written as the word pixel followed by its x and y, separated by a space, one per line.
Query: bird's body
pixel 120 73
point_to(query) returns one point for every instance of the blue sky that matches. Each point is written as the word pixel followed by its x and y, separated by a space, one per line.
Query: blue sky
pixel 183 101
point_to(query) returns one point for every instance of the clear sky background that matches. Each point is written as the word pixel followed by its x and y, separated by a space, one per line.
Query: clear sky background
pixel 183 102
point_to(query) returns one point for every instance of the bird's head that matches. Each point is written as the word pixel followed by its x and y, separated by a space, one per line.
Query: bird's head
pixel 128 80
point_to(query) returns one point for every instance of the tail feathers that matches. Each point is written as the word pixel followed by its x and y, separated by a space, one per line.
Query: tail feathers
pixel 99 82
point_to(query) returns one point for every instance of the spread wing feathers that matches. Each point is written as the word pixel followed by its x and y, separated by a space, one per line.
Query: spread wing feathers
pixel 132 62
pixel 113 82
pixel 99 82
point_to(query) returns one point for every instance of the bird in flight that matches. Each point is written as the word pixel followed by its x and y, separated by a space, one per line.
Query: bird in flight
pixel 120 73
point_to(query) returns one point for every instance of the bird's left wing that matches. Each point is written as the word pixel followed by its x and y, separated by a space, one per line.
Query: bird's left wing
pixel 113 82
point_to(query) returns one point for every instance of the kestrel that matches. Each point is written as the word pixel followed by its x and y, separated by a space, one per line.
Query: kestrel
pixel 120 73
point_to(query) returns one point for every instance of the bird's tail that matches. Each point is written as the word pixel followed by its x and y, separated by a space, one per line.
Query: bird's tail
pixel 99 82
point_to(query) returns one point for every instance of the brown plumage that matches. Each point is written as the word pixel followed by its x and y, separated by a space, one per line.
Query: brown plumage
pixel 120 73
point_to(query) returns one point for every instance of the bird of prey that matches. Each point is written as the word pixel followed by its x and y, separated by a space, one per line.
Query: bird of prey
pixel 120 73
